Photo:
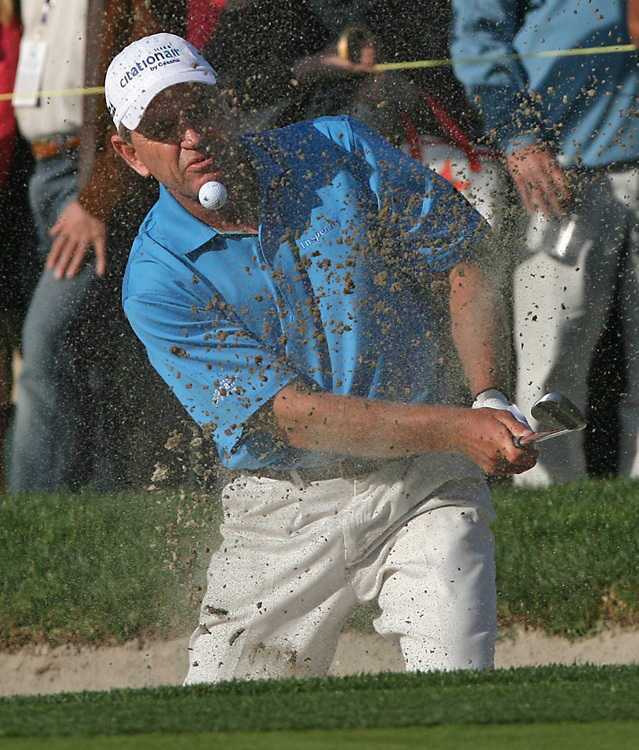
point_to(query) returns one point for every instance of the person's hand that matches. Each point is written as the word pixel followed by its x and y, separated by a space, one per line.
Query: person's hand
pixel 486 437
pixel 329 62
pixel 338 63
pixel 540 180
pixel 75 231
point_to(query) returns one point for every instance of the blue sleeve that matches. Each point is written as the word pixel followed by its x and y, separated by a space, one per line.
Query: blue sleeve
pixel 435 226
pixel 487 29
pixel 218 371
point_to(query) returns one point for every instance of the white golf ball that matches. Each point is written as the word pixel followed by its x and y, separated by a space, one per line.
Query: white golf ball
pixel 212 195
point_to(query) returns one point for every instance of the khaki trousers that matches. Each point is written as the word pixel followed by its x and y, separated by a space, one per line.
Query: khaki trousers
pixel 295 560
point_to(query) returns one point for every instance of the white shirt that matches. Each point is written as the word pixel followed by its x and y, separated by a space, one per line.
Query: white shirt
pixel 64 32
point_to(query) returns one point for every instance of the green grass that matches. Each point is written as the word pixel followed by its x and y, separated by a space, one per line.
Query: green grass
pixel 87 568
pixel 567 736
pixel 567 556
pixel 96 568
pixel 522 696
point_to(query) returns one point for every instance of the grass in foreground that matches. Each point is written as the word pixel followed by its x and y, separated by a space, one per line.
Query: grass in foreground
pixel 96 568
pixel 521 696
pixel 567 736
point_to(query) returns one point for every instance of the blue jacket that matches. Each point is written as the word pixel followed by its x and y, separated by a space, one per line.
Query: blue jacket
pixel 586 107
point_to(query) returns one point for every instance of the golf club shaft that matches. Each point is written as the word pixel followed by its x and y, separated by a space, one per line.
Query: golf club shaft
pixel 540 437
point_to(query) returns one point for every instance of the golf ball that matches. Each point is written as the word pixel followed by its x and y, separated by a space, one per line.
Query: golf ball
pixel 212 195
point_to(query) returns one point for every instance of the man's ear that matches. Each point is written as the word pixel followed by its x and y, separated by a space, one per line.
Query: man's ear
pixel 128 152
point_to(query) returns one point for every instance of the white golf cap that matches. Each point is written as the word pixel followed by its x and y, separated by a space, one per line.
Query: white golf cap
pixel 147 66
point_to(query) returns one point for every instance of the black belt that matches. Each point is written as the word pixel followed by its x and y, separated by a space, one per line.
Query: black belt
pixel 345 469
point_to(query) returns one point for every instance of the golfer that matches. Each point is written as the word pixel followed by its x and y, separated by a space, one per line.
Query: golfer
pixel 294 312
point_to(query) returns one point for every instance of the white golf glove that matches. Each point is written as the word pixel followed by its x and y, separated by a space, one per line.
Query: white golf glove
pixel 494 399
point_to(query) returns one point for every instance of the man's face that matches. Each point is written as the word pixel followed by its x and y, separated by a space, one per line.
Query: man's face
pixel 186 138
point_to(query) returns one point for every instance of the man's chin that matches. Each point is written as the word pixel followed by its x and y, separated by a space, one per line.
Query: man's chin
pixel 189 192
pixel 187 196
pixel 203 179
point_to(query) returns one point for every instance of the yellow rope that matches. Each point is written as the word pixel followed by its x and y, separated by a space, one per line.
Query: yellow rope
pixel 381 67
pixel 576 52
pixel 59 93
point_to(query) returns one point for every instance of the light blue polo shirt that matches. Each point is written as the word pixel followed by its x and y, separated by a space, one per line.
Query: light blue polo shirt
pixel 335 290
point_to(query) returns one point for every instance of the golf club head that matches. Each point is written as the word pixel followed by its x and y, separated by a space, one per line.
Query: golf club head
pixel 556 412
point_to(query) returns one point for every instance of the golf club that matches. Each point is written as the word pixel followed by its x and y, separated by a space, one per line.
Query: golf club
pixel 556 412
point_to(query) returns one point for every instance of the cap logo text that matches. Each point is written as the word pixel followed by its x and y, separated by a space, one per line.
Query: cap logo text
pixel 158 58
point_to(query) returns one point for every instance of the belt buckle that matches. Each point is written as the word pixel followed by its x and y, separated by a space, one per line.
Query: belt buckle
pixel 54 146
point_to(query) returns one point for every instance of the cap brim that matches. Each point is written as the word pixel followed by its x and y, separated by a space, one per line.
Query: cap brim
pixel 135 111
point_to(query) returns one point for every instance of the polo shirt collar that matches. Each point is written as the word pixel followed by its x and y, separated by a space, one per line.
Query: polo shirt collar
pixel 178 229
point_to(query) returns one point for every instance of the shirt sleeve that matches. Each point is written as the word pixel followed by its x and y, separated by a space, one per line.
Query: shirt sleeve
pixel 433 225
pixel 484 30
pixel 219 372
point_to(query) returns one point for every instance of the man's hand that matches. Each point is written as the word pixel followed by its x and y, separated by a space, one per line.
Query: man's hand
pixel 486 437
pixel 75 231
pixel 540 180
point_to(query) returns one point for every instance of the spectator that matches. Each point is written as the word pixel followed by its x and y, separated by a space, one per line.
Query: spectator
pixel 420 33
pixel 253 49
pixel 283 62
pixel 10 30
pixel 75 190
pixel 202 18
pixel 571 142
pixel 15 164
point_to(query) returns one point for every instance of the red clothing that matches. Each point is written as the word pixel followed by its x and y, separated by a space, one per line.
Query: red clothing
pixel 9 50
pixel 201 20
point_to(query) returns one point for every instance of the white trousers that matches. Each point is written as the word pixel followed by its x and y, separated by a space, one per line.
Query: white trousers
pixel 295 560
pixel 560 310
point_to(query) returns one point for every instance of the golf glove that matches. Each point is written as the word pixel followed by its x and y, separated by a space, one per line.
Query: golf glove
pixel 494 399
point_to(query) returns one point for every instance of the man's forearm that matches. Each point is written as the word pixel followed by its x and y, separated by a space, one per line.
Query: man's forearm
pixel 362 427
pixel 478 322
pixel 346 425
